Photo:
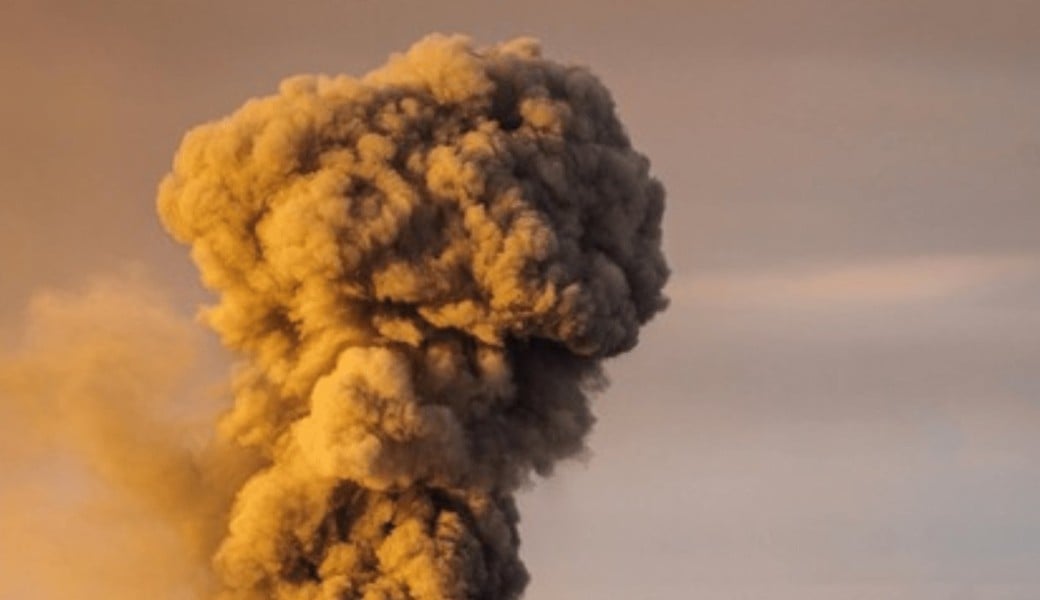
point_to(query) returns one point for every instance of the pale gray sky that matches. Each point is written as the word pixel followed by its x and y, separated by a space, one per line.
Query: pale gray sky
pixel 842 402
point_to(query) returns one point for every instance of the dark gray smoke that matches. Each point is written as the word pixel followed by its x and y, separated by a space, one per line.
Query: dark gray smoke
pixel 422 269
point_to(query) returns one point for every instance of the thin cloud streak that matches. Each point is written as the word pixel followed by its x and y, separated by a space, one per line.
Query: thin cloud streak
pixel 863 285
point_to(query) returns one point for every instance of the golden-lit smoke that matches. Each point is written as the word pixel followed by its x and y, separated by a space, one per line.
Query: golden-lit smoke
pixel 422 270
pixel 93 387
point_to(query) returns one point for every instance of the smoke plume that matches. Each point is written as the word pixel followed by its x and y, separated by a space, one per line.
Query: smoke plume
pixel 97 391
pixel 422 270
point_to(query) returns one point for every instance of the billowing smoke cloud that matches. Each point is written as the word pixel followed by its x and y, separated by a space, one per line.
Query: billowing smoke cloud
pixel 422 269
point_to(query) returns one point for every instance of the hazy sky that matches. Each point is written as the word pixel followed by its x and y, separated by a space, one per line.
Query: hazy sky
pixel 842 401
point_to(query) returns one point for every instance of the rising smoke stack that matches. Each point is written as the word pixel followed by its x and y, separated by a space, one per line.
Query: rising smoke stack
pixel 422 270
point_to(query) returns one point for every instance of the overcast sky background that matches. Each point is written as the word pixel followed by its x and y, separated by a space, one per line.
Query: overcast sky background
pixel 842 402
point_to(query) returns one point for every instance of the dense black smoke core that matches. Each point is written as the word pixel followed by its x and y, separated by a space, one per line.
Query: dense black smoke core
pixel 422 269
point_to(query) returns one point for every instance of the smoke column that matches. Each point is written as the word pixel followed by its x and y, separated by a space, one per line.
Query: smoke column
pixel 422 270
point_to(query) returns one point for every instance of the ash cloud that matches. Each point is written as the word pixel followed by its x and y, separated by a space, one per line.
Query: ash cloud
pixel 421 270
pixel 91 392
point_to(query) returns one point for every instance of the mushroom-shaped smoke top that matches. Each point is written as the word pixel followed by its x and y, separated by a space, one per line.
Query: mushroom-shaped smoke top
pixel 421 269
